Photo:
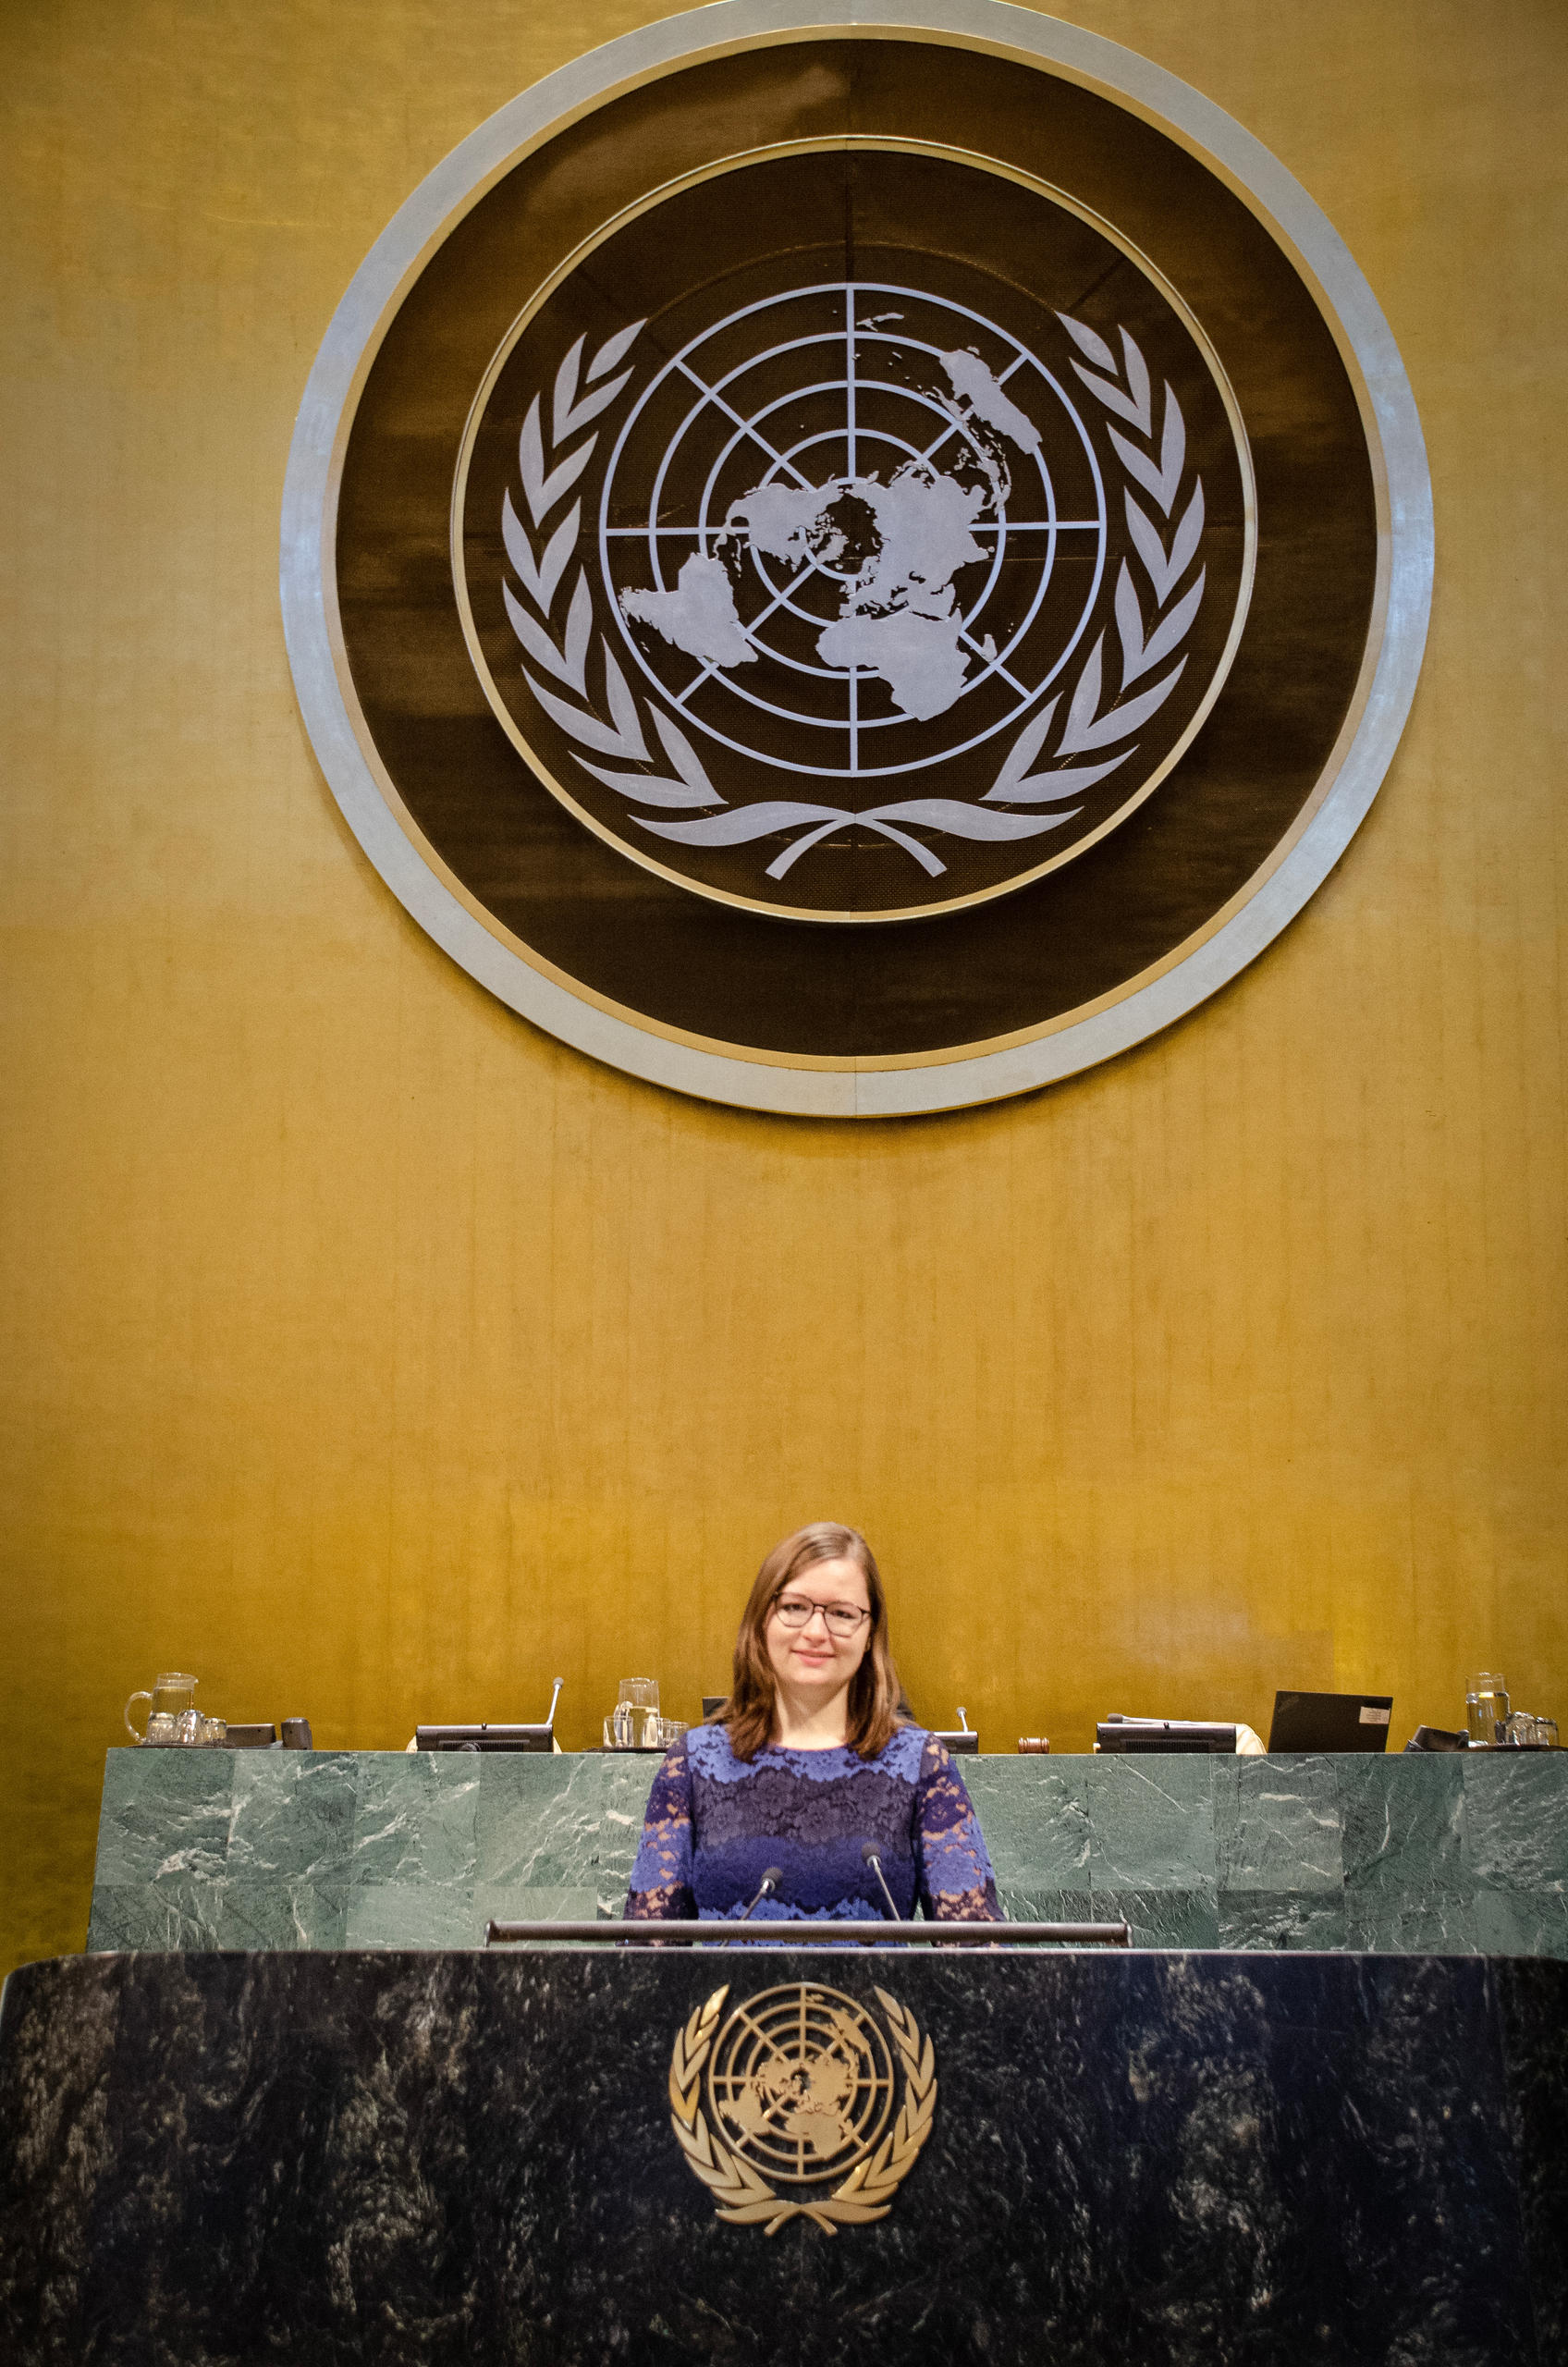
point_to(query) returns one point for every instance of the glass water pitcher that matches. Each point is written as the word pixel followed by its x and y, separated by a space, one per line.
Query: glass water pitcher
pixel 1486 1711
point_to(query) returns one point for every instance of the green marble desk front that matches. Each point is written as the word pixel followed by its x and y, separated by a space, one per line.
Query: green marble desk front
pixel 378 1849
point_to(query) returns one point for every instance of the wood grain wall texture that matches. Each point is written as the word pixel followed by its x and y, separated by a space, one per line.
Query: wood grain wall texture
pixel 379 1359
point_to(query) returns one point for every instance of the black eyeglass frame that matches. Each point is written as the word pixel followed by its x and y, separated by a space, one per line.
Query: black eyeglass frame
pixel 809 1610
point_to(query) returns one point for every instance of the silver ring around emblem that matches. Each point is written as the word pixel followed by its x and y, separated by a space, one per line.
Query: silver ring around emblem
pixel 851 1085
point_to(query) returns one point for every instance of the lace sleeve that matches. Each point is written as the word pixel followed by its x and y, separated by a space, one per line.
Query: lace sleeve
pixel 956 1881
pixel 660 1889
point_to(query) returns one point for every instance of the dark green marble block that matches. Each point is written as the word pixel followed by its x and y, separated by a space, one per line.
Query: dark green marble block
pixel 379 1849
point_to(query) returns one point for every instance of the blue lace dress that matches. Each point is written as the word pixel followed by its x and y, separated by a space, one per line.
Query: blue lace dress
pixel 715 1825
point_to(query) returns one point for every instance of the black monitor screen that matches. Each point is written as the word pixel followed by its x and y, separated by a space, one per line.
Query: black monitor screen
pixel 1330 1722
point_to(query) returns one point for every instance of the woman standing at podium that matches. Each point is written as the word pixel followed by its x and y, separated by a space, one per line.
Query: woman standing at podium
pixel 809 1763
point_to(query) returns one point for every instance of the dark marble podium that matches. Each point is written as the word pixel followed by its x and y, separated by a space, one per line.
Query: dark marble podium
pixel 1146 2158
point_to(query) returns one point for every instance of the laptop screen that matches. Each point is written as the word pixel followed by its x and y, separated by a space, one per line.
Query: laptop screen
pixel 1330 1722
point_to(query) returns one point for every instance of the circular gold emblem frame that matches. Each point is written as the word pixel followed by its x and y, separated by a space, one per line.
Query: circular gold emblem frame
pixel 678 1049
pixel 878 2161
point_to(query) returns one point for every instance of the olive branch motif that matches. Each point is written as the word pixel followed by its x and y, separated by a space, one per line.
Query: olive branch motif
pixel 1094 723
pixel 1090 725
pixel 741 2195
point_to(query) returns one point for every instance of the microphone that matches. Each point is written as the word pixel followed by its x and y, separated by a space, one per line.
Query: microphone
pixel 772 1877
pixel 871 1855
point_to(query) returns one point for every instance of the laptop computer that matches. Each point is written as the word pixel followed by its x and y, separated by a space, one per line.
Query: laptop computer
pixel 1330 1722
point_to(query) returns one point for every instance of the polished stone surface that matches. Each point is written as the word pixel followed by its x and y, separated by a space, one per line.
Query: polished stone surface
pixel 374 1849
pixel 1181 2161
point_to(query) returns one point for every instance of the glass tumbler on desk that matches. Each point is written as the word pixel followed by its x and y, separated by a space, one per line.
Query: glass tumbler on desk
pixel 1486 1711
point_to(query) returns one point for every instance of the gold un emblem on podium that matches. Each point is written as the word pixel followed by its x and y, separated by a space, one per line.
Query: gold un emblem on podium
pixel 801 2092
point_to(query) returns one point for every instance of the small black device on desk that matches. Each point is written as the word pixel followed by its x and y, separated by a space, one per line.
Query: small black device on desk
pixel 263 1736
pixel 493 1737
pixel 1330 1722
pixel 1138 1736
pixel 965 1742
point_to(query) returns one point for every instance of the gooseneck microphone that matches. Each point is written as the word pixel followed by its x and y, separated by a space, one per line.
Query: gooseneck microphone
pixel 871 1857
pixel 772 1877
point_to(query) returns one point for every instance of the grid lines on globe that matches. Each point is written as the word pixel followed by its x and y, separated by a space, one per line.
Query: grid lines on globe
pixel 888 556
pixel 801 2083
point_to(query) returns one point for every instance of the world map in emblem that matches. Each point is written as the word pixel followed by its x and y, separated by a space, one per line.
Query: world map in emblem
pixel 889 545
pixel 802 2102
pixel 855 597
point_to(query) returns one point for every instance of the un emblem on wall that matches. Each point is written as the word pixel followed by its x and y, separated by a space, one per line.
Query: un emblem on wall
pixel 856 569
pixel 801 2104
pixel 855 598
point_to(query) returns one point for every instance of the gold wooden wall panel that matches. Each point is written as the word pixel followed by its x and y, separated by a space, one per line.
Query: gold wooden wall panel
pixel 376 1357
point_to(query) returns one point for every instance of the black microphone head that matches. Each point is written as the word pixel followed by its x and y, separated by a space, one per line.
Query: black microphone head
pixel 870 1854
pixel 772 1874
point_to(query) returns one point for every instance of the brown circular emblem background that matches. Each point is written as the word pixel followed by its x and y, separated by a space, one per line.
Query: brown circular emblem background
pixel 860 515
pixel 848 553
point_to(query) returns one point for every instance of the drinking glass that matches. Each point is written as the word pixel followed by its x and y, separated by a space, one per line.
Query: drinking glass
pixel 670 1731
pixel 1546 1731
pixel 171 1697
pixel 1486 1711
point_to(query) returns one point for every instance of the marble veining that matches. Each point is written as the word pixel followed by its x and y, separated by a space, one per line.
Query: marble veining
pixel 285 1849
pixel 1151 1825
pixel 1402 1821
pixel 1276 1825
pixel 431 2159
pixel 415 1822
pixel 1282 1918
pixel 1514 1835
pixel 1035 1813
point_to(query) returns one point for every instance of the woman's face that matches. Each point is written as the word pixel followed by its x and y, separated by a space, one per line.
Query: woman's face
pixel 811 1659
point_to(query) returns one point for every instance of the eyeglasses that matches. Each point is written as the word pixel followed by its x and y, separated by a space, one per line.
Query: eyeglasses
pixel 839 1618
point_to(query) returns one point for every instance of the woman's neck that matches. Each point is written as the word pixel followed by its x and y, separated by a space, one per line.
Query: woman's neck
pixel 802 1725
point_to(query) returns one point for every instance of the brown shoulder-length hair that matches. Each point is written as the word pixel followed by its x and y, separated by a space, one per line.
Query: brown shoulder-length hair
pixel 874 1691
